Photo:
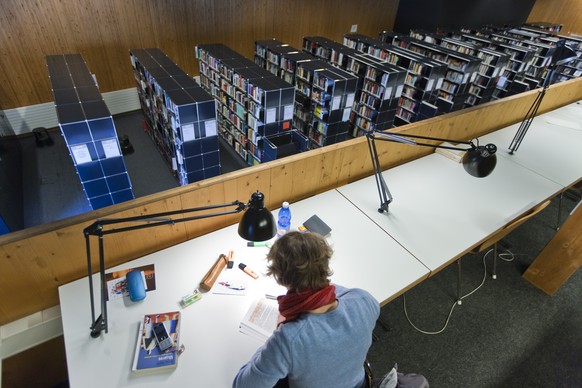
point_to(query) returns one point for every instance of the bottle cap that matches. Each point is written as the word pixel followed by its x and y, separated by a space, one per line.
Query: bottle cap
pixel 285 205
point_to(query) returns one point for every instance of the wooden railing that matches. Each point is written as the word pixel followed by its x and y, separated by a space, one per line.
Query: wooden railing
pixel 36 261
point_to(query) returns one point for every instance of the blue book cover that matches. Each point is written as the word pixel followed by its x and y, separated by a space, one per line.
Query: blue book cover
pixel 148 354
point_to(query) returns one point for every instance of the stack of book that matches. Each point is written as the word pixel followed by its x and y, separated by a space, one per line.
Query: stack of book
pixel 261 319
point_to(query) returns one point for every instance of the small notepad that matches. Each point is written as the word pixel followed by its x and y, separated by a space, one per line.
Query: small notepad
pixel 316 225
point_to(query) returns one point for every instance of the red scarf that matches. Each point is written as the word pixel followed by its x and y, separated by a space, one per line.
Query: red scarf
pixel 295 303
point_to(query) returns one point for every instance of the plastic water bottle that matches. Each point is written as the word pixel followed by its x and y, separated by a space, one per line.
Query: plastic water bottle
pixel 284 219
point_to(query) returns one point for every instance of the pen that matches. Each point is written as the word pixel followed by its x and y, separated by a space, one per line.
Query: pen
pixel 248 271
pixel 269 296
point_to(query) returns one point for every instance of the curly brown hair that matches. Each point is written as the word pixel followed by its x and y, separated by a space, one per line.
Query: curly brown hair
pixel 300 261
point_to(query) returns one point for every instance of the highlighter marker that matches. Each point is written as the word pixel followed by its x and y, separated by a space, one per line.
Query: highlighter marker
pixel 258 244
pixel 248 271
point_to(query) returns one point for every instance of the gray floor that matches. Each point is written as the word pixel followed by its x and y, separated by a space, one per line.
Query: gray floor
pixel 52 190
pixel 507 334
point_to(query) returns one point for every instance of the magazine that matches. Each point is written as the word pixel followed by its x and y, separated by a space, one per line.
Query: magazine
pixel 151 351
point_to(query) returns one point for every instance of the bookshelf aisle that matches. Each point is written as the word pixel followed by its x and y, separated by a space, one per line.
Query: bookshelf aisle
pixel 424 77
pixel 180 116
pixel 493 64
pixel 379 84
pixel 324 93
pixel 462 69
pixel 89 131
pixel 255 107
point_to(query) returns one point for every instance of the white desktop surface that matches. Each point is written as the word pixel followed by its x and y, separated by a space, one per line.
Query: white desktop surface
pixel 365 257
pixel 551 150
pixel 439 211
pixel 569 116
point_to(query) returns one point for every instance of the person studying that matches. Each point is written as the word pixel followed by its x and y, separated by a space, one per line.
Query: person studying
pixel 326 329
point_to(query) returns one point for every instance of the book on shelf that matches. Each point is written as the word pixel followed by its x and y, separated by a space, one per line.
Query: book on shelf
pixel 117 284
pixel 261 319
pixel 157 347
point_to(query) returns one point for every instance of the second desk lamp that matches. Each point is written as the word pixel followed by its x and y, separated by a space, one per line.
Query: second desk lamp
pixel 479 161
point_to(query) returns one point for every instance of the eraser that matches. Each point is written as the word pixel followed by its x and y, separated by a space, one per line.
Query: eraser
pixel 190 299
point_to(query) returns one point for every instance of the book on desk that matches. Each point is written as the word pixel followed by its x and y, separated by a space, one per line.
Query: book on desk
pixel 261 319
pixel 148 355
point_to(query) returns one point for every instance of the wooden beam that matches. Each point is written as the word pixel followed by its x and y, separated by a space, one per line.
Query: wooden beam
pixel 560 259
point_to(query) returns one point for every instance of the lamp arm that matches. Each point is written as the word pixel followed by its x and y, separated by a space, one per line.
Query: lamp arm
pixel 96 228
pixel 468 160
pixel 404 138
pixel 383 191
pixel 148 221
pixel 562 55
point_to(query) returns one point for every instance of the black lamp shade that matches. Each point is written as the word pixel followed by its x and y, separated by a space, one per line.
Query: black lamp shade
pixel 480 161
pixel 257 222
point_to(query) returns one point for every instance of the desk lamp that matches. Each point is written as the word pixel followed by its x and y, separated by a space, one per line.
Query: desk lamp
pixel 256 224
pixel 478 161
pixel 561 56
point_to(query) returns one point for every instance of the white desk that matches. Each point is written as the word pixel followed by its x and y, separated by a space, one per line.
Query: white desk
pixel 364 257
pixel 439 211
pixel 569 116
pixel 551 150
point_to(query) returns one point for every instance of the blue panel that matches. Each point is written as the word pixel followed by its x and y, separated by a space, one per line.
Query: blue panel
pixel 113 166
pixel 211 159
pixel 193 147
pixel 122 196
pixel 211 172
pixel 89 171
pixel 70 113
pixel 179 97
pixel 100 150
pixel 89 93
pixel 118 182
pixel 194 163
pixel 3 227
pixel 269 151
pixel 199 130
pixel 62 81
pixel 92 151
pixel 95 109
pixel 195 176
pixel 96 188
pixel 76 133
pixel 99 202
pixel 65 96
pixel 188 113
pixel 207 110
pixel 102 128
pixel 209 144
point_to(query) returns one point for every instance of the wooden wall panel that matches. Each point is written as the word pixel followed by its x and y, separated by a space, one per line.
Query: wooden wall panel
pixel 103 31
pixel 35 261
pixel 566 12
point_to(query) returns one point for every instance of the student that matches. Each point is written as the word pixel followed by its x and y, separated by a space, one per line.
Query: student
pixel 326 329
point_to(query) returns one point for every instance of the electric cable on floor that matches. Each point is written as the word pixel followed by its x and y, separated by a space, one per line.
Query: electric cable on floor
pixel 511 257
